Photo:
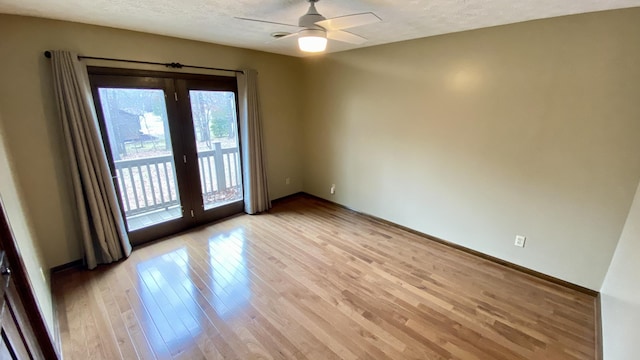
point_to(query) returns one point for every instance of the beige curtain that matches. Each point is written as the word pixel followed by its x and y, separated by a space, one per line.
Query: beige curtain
pixel 103 230
pixel 256 191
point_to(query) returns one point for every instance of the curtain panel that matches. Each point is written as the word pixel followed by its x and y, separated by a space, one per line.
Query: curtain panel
pixel 254 172
pixel 104 236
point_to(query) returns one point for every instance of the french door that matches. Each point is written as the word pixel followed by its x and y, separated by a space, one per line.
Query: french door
pixel 173 146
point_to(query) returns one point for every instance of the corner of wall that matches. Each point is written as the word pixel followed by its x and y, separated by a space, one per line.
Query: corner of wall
pixel 620 295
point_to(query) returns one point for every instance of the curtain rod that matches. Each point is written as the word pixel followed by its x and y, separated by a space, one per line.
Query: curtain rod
pixel 172 65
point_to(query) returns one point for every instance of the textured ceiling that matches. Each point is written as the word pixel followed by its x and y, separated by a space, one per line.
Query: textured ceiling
pixel 213 20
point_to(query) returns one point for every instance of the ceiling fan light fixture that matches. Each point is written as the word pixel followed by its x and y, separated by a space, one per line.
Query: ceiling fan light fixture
pixel 312 40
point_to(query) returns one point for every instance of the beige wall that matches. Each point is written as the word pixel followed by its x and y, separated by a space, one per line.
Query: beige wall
pixel 621 293
pixel 34 138
pixel 21 227
pixel 475 137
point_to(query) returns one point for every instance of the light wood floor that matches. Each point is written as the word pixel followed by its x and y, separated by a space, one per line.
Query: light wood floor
pixel 313 281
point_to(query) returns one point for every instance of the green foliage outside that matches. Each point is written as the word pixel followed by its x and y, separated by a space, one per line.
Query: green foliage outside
pixel 215 110
pixel 221 127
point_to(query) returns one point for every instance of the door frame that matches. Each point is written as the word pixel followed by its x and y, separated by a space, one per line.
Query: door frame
pixel 182 89
pixel 173 226
pixel 25 291
pixel 178 83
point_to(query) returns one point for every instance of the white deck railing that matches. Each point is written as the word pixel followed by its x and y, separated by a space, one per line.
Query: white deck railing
pixel 150 184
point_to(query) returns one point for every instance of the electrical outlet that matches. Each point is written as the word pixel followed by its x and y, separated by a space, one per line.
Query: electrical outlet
pixel 520 240
pixel 287 181
pixel 333 189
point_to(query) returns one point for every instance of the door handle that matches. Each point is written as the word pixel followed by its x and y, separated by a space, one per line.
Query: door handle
pixel 5 271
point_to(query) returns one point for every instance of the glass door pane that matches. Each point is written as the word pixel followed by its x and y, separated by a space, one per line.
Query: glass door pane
pixel 216 135
pixel 139 138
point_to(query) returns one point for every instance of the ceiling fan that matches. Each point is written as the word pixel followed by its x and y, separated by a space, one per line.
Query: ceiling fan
pixel 315 29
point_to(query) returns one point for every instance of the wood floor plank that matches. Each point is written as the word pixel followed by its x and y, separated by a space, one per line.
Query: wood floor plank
pixel 107 329
pixel 310 280
pixel 260 327
pixel 129 302
pixel 249 331
pixel 110 308
pixel 75 346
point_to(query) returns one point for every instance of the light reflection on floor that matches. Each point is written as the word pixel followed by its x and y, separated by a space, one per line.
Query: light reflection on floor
pixel 174 310
pixel 229 274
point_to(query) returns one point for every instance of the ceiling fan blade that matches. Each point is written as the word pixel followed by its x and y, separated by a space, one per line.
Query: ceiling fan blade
pixel 266 22
pixel 349 21
pixel 346 37
pixel 287 36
